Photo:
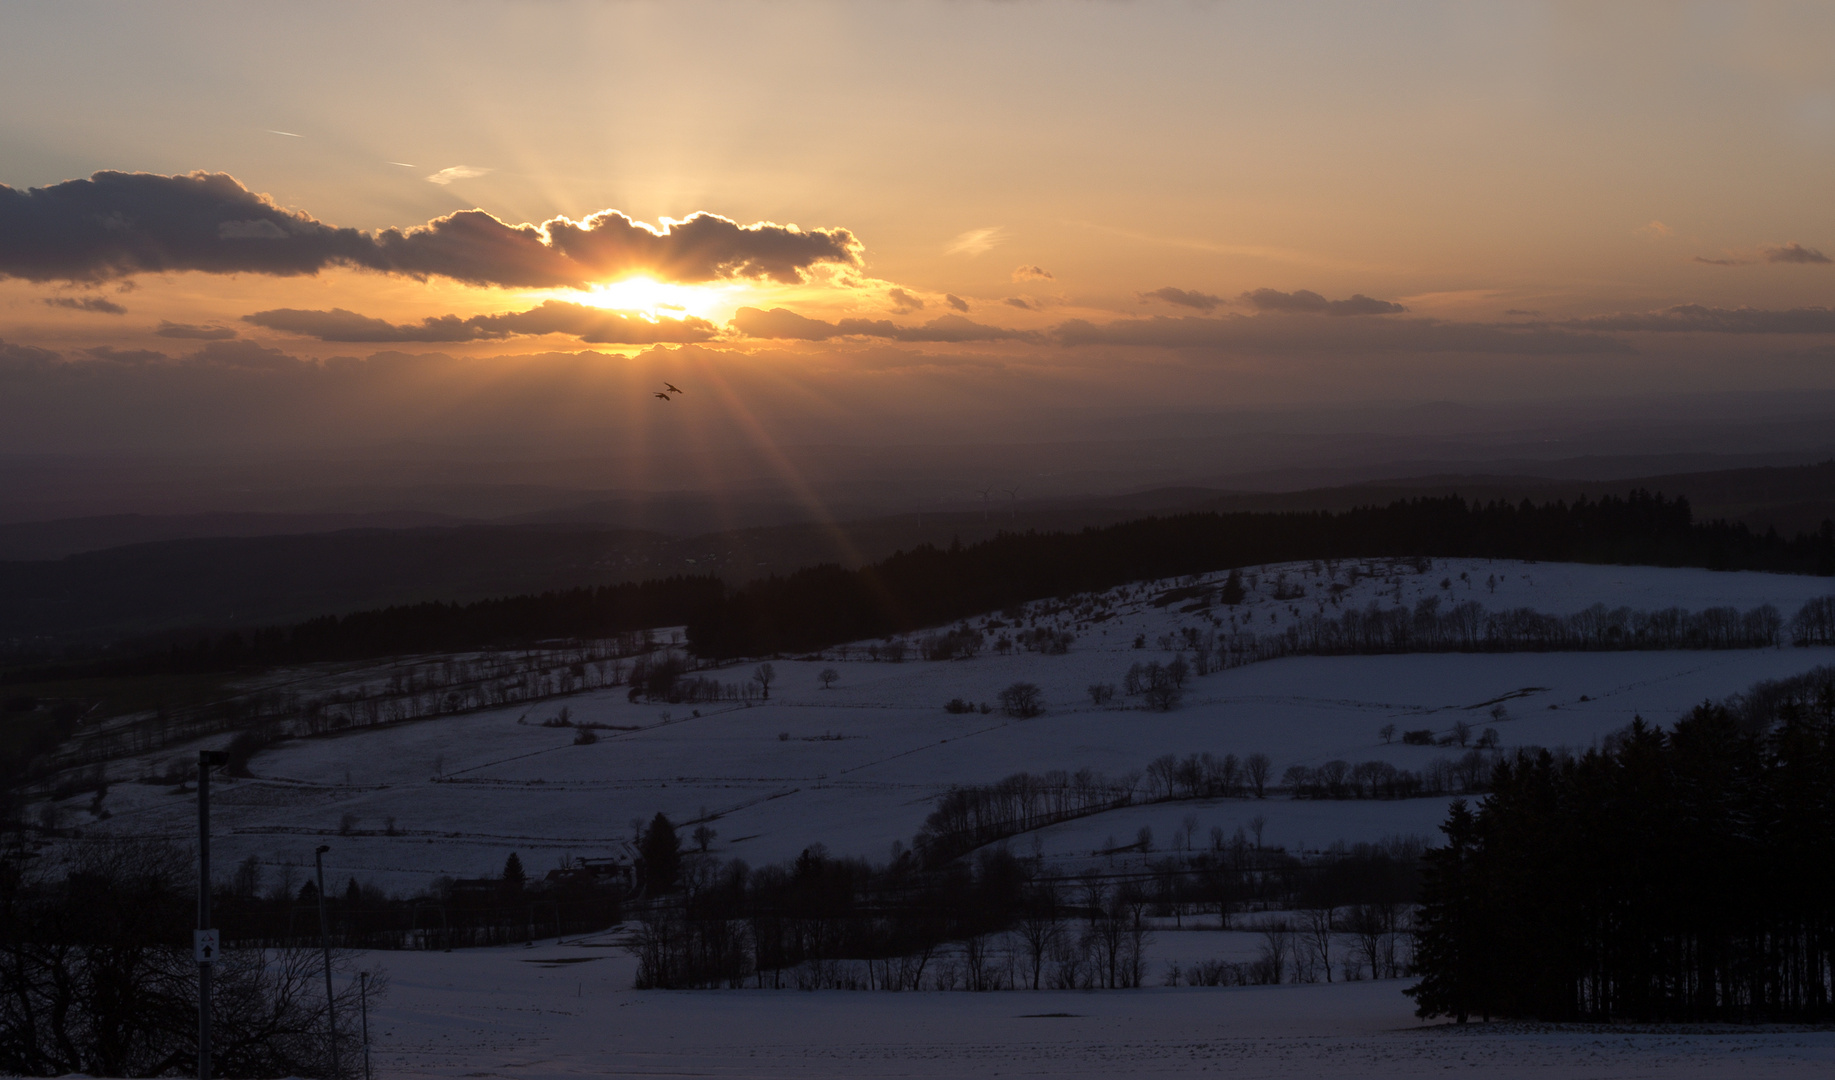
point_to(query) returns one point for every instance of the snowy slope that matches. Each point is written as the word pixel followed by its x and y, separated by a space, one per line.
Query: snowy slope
pixel 855 767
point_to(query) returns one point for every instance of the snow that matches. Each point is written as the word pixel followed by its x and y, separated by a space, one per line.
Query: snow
pixel 567 1010
pixel 508 786
pixel 856 768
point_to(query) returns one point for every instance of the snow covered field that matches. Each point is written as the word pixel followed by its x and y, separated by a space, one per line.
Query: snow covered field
pixel 855 767
pixel 567 1010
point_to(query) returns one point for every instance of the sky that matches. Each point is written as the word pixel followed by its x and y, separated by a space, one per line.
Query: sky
pixel 254 225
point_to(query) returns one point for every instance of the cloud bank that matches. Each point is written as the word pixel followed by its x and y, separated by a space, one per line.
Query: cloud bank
pixel 1793 253
pixel 117 224
pixel 1184 298
pixel 193 332
pixel 1698 318
pixel 784 324
pixel 1290 337
pixel 100 305
pixel 1307 302
pixel 590 324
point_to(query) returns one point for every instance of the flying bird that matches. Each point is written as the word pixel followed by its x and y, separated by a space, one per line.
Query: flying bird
pixel 665 397
pixel 673 389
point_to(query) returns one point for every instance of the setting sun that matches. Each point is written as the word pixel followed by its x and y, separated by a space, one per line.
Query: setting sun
pixel 660 299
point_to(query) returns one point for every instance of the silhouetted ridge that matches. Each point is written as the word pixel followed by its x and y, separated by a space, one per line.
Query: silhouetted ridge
pixel 929 586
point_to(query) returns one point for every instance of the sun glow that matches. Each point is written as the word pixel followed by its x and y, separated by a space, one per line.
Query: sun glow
pixel 661 299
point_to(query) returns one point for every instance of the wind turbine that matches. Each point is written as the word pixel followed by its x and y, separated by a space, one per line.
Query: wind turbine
pixel 1012 502
pixel 983 492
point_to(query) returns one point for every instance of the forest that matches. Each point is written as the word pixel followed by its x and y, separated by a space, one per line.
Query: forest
pixel 1682 875
pixel 931 586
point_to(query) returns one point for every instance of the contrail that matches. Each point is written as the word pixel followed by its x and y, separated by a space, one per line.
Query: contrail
pixel 404 164
pixel 288 134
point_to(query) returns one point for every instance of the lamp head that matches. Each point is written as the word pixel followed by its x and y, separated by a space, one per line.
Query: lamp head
pixel 322 849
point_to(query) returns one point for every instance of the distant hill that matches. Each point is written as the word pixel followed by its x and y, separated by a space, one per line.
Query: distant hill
pixel 229 582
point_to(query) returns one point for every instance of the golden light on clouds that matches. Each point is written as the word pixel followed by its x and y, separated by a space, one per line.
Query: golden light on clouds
pixel 655 299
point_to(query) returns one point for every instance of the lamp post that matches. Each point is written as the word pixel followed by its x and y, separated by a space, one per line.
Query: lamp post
pixel 331 1016
pixel 204 945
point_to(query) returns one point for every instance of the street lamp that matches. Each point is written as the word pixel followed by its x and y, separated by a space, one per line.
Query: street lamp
pixel 331 1016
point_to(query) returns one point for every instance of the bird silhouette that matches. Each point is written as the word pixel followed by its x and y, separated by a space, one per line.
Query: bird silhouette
pixel 673 389
pixel 665 397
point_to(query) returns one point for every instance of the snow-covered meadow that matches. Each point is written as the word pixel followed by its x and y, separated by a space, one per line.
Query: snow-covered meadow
pixel 566 1009
pixel 855 767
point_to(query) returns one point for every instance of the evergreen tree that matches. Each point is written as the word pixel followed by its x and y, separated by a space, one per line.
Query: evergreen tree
pixel 1233 592
pixel 513 876
pixel 662 854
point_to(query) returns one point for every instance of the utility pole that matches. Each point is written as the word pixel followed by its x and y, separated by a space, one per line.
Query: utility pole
pixel 363 1002
pixel 331 1016
pixel 204 942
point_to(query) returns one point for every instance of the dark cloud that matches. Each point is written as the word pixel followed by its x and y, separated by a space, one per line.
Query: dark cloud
pixel 956 302
pixel 903 302
pixel 1697 318
pixel 246 355
pixel 786 324
pixel 1307 302
pixel 115 224
pixel 1705 261
pixel 1020 302
pixel 1287 336
pixel 102 305
pixel 193 332
pixel 596 325
pixel 339 324
pixel 108 354
pixel 589 324
pixel 1522 311
pixel 19 356
pixel 1184 298
pixel 1032 273
pixel 1793 253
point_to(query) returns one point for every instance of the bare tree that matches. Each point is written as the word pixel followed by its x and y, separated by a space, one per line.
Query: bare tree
pixel 1256 825
pixel 1260 767
pixel 94 981
pixel 1387 731
pixel 1318 925
pixel 828 677
pixel 1277 942
pixel 1038 924
pixel 764 675
pixel 703 836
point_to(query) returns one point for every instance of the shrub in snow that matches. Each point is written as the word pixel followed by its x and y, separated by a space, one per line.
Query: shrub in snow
pixel 1022 699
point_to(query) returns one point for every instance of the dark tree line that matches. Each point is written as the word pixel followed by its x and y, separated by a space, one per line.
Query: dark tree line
pixel 434 627
pixel 931 586
pixel 1687 875
pixel 988 922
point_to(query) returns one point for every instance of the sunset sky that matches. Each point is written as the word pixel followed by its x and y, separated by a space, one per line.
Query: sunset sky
pixel 235 223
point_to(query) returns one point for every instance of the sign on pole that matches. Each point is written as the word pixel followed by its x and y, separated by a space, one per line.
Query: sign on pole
pixel 204 945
